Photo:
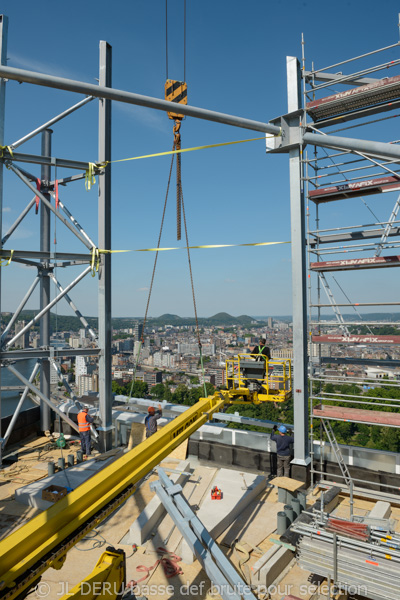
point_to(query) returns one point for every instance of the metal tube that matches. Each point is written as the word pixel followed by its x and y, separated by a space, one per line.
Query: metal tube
pixel 3 61
pixel 74 308
pixel 20 307
pixel 359 304
pixel 45 415
pixel 67 112
pixel 42 397
pixel 75 222
pixel 19 406
pixel 344 78
pixel 131 98
pixel 378 149
pixel 47 203
pixel 48 307
pixel 42 353
pixel 18 221
pixel 65 382
pixel 343 62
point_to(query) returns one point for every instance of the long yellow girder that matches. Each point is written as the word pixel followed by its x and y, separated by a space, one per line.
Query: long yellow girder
pixel 25 547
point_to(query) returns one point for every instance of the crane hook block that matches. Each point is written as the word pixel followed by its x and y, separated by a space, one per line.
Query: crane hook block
pixel 176 91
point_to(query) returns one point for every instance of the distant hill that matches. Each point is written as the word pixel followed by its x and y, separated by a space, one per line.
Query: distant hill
pixel 73 324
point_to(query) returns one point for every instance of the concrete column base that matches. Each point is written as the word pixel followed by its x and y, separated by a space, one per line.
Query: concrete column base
pixel 301 473
pixel 105 439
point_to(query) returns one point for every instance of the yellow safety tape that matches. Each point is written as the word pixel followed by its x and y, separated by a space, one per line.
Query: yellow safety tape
pixel 89 176
pixel 104 164
pixel 2 148
pixel 193 247
pixel 4 262
pixel 95 252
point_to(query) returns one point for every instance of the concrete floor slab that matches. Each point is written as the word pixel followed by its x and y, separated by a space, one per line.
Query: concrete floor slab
pixel 31 494
pixel 154 511
pixel 238 490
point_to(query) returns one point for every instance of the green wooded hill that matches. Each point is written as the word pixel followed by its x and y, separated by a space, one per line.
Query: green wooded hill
pixel 72 323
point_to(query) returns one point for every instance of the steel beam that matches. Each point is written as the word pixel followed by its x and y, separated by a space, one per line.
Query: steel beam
pixel 75 309
pixel 3 61
pixel 105 328
pixel 130 98
pixel 19 309
pixel 43 353
pixel 46 160
pixel 299 276
pixel 33 254
pixel 376 149
pixel 45 176
pixel 18 220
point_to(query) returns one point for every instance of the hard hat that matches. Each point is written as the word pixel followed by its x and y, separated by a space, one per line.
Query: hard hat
pixel 282 429
pixel 151 410
pixel 85 408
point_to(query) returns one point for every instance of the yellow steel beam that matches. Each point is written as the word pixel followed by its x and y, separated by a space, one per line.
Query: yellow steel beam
pixel 69 517
pixel 106 581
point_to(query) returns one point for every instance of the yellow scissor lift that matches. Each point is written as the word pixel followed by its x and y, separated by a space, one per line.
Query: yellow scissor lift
pixel 250 379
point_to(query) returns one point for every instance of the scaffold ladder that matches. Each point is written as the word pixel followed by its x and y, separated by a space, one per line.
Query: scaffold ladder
pixel 337 452
pixel 332 302
pixel 388 227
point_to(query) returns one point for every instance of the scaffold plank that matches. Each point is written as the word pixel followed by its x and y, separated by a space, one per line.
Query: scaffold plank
pixel 347 264
pixel 380 92
pixel 344 413
pixel 356 339
pixel 351 189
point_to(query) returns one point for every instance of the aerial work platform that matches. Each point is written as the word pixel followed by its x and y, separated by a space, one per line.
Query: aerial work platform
pixel 357 415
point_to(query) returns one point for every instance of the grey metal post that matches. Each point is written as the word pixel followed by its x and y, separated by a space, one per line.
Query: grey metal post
pixel 45 414
pixel 105 397
pixel 299 276
pixel 3 61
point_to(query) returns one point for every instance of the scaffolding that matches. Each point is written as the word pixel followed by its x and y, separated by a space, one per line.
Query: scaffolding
pixel 331 176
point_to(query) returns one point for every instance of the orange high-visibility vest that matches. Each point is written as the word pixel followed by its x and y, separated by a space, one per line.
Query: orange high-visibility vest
pixel 82 423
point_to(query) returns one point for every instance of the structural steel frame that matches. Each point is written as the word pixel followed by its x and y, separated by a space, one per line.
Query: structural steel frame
pixel 292 134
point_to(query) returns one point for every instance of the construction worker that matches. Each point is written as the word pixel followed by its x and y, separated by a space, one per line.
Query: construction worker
pixel 261 351
pixel 283 449
pixel 84 420
pixel 151 420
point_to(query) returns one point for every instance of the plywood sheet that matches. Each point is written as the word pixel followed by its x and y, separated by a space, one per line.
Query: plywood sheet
pixel 180 452
pixel 287 483
pixel 137 435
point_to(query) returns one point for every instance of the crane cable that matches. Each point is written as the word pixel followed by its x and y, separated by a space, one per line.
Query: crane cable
pixel 184 39
pixel 153 273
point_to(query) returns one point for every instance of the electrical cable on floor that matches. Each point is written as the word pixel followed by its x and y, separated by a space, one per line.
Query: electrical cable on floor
pixel 97 543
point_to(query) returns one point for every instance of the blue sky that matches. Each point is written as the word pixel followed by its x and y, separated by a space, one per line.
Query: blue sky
pixel 236 61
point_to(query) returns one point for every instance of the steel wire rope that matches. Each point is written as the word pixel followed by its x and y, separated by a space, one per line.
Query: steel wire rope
pixel 154 271
pixel 193 293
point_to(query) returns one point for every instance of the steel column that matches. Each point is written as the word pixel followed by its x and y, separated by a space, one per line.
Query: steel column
pixel 45 414
pixel 3 61
pixel 299 276
pixel 105 396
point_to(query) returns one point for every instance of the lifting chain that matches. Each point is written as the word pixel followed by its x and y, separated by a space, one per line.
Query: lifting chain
pixel 177 146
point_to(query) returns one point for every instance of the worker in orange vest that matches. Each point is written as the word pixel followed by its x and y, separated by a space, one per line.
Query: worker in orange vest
pixel 84 420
